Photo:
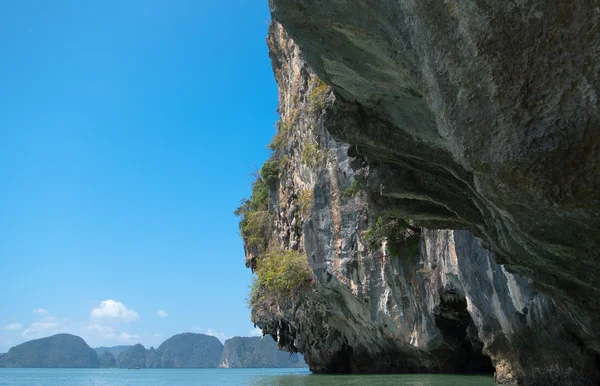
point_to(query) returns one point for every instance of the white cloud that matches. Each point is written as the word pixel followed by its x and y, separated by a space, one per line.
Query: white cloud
pixel 102 330
pixel 125 337
pixel 40 311
pixel 98 334
pixel 44 328
pixel 110 309
pixel 14 327
pixel 162 314
pixel 222 336
pixel 44 325
pixel 256 332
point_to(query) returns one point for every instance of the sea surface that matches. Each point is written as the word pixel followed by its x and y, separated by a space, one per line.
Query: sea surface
pixel 226 377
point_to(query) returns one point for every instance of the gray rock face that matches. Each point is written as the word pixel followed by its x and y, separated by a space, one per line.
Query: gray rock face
pixel 446 306
pixel 478 115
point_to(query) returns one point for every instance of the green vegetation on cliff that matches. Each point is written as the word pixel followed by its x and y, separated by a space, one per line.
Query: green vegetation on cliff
pixel 257 352
pixel 280 139
pixel 255 219
pixel 270 172
pixel 280 276
pixel 401 238
pixel 61 350
pixel 280 265
pixel 283 273
pixel 317 95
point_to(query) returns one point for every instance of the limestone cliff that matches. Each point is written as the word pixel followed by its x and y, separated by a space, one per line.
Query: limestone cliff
pixel 426 142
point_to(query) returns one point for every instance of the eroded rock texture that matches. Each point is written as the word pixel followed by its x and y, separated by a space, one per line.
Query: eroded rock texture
pixel 473 114
pixel 476 116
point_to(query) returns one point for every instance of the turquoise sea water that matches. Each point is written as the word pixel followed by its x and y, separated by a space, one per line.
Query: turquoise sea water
pixel 226 377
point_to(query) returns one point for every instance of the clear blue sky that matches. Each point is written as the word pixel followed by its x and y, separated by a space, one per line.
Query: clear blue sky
pixel 128 132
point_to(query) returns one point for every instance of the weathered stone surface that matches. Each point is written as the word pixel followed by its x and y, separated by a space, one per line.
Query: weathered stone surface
pixel 473 114
pixel 435 138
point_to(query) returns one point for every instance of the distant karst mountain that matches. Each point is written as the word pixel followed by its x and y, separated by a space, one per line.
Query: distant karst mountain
pixel 190 350
pixel 134 357
pixel 187 350
pixel 153 359
pixel 241 352
pixel 62 350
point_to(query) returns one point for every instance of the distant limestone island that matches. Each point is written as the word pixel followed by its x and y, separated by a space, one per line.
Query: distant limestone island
pixel 241 352
pixel 187 350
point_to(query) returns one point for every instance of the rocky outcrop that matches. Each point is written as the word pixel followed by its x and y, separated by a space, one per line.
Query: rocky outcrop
pixel 257 352
pixel 428 126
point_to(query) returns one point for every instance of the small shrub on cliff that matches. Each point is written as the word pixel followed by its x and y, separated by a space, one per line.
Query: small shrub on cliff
pixel 284 129
pixel 426 271
pixel 255 229
pixel 401 239
pixel 352 191
pixel 284 272
pixel 278 141
pixel 311 155
pixel 280 275
pixel 284 161
pixel 317 95
pixel 305 200
pixel 255 219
